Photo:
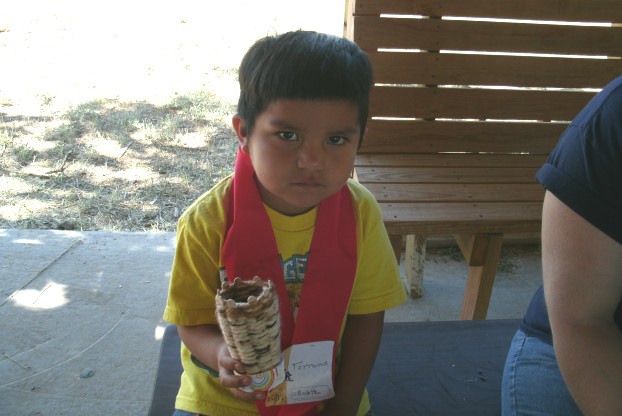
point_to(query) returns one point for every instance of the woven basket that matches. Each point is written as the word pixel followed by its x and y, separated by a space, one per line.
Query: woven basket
pixel 248 315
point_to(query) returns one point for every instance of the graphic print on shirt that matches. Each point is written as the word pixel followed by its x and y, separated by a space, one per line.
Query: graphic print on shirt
pixel 294 269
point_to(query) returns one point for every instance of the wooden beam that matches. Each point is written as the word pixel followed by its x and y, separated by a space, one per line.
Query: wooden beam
pixel 482 254
pixel 567 10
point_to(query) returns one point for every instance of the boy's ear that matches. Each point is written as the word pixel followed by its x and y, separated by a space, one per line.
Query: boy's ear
pixel 239 125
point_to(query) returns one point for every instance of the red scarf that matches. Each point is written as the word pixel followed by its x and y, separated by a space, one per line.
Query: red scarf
pixel 250 250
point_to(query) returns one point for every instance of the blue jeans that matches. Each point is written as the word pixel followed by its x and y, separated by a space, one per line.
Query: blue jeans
pixel 532 383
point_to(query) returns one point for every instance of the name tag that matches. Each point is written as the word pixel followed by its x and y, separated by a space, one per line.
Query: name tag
pixel 308 375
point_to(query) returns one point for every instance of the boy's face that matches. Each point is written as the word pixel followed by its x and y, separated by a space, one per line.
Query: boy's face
pixel 302 151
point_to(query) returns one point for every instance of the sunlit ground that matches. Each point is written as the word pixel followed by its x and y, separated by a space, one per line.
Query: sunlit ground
pixel 75 51
pixel 105 108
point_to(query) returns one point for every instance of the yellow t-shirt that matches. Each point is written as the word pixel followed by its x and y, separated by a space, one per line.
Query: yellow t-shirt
pixel 196 277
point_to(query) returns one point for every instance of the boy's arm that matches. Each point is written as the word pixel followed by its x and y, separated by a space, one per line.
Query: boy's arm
pixel 359 346
pixel 207 344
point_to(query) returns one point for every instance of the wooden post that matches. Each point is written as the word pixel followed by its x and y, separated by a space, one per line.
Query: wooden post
pixel 414 264
pixel 482 252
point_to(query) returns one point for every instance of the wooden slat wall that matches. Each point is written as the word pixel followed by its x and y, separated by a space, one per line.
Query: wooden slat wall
pixel 476 103
pixel 470 98
pixel 435 34
pixel 445 175
pixel 432 136
pixel 399 192
pixel 430 68
pixel 452 160
pixel 566 10
pixel 431 218
pixel 479 72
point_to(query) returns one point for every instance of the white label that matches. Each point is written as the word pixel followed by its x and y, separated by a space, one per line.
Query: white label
pixel 308 374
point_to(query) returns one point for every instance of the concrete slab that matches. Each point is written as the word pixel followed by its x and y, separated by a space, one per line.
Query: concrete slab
pixel 519 274
pixel 80 318
pixel 80 315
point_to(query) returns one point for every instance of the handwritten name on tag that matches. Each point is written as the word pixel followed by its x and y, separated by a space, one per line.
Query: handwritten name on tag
pixel 308 374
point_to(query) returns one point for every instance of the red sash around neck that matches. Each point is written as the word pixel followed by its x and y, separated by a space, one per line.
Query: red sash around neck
pixel 250 250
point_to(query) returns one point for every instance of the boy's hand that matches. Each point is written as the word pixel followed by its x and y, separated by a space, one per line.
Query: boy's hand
pixel 209 347
pixel 226 367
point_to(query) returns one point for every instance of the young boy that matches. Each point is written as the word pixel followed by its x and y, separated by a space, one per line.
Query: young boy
pixel 290 214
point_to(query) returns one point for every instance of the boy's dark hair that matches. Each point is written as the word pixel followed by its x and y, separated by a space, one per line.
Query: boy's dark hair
pixel 303 65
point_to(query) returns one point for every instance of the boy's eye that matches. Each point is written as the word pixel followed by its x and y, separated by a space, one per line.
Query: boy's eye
pixel 337 140
pixel 287 135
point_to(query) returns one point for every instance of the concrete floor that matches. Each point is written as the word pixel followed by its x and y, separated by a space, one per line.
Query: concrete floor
pixel 80 315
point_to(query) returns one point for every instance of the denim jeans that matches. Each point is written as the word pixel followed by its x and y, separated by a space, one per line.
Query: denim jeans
pixel 532 383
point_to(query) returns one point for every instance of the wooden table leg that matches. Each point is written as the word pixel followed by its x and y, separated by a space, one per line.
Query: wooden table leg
pixel 414 264
pixel 482 252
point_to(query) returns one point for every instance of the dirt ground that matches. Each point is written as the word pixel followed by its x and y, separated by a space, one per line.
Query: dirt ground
pixel 116 116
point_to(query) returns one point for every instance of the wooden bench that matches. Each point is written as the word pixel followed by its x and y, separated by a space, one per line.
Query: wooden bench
pixel 422 368
pixel 469 100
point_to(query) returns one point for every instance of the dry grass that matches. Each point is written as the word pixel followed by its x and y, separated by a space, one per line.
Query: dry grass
pixel 117 116
pixel 111 165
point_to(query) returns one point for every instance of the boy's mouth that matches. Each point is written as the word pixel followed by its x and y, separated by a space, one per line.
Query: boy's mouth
pixel 308 184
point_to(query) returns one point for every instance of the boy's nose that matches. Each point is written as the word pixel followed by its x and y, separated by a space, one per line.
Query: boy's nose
pixel 310 156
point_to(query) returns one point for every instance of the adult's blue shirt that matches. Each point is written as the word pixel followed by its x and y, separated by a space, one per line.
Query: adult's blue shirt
pixel 584 171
